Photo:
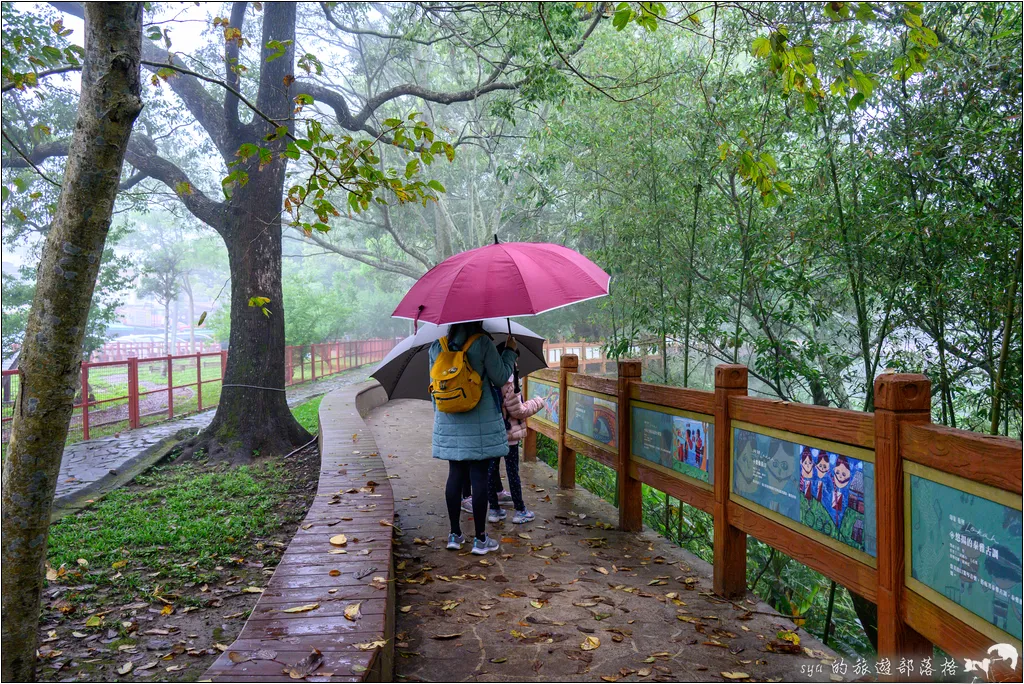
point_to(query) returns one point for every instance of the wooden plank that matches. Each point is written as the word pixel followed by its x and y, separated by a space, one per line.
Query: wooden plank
pixel 592 383
pixel 590 451
pixel 543 427
pixel 855 576
pixel 953 636
pixel 836 425
pixel 675 397
pixel 546 374
pixel 677 487
pixel 995 461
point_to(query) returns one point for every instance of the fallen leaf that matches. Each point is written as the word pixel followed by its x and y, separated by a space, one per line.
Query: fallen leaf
pixel 83 563
pixel 167 610
pixel 352 611
pixel 94 621
pixel 334 573
pixel 499 661
pixel 442 637
pixel 339 540
pixel 175 668
pixel 590 643
pixel 405 609
pixel 306 666
pixel 524 536
pixel 601 570
pixel 302 609
pixel 79 635
pixel 126 668
pixel 371 645
pixel 252 590
pixel 643 672
pixel 735 675
pixel 117 565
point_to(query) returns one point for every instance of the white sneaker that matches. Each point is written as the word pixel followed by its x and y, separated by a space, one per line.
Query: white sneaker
pixel 481 548
pixel 504 496
pixel 467 504
pixel 522 517
pixel 495 515
pixel 455 541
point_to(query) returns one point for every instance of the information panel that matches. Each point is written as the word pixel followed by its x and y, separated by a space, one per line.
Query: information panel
pixel 593 417
pixel 549 395
pixel 967 549
pixel 681 441
pixel 820 485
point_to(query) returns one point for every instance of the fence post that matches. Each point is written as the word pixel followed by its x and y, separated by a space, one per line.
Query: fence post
pixel 566 457
pixel 312 362
pixel 223 364
pixel 899 398
pixel 730 551
pixel 85 401
pixel 170 386
pixel 133 392
pixel 630 491
pixel 199 379
pixel 288 369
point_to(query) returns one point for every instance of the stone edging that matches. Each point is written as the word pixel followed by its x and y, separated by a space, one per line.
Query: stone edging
pixel 309 573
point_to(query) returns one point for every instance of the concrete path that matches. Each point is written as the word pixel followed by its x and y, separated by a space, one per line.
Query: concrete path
pixel 567 597
pixel 90 469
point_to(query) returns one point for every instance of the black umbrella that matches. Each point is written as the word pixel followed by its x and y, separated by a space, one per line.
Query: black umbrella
pixel 405 373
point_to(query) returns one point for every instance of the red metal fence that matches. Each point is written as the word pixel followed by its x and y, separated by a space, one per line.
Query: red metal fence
pixel 116 350
pixel 134 392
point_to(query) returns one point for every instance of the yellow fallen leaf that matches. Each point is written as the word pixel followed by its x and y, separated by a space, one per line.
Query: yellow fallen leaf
pixel 602 571
pixel 252 590
pixel 352 611
pixel 524 536
pixel 126 668
pixel 167 610
pixel 536 604
pixel 83 563
pixel 334 573
pixel 94 621
pixel 339 540
pixel 302 609
pixel 117 565
pixel 735 675
pixel 590 643
pixel 405 609
pixel 371 645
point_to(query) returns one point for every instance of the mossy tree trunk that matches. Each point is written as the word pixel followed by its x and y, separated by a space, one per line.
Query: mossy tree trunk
pixel 51 357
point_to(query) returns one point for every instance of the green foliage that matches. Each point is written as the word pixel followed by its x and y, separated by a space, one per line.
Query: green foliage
pixel 307 413
pixel 175 512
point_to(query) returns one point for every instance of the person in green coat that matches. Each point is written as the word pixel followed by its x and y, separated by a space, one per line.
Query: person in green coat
pixel 468 441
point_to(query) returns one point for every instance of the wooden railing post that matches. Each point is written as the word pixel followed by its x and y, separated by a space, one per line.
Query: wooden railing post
pixel 566 456
pixel 199 379
pixel 170 386
pixel 312 362
pixel 133 392
pixel 85 401
pixel 630 491
pixel 730 552
pixel 899 398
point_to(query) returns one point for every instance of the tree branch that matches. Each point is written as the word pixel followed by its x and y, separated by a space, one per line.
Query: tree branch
pixel 231 76
pixel 366 257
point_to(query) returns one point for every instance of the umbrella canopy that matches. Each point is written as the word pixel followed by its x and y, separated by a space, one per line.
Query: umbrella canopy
pixel 504 279
pixel 405 372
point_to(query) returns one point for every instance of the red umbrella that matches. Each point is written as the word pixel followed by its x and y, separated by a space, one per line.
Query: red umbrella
pixel 503 280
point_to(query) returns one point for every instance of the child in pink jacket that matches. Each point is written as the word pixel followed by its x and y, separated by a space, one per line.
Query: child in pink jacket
pixel 515 412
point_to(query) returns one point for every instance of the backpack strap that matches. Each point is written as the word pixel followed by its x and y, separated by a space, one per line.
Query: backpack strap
pixel 444 343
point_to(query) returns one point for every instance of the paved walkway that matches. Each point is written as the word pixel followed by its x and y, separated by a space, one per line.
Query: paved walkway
pixel 90 469
pixel 567 598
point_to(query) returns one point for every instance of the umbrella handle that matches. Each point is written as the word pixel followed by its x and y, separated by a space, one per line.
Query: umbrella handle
pixel 515 368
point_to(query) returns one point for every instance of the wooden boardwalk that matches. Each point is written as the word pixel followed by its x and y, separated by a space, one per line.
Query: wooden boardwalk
pixel 318 578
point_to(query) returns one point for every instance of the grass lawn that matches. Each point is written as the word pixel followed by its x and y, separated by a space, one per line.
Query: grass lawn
pixel 306 414
pixel 158 573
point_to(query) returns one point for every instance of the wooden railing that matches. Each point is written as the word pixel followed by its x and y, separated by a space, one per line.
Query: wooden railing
pixel 134 392
pixel 922 520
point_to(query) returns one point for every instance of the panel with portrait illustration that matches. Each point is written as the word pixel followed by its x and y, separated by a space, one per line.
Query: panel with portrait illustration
pixel 548 394
pixel 681 441
pixel 593 417
pixel 808 483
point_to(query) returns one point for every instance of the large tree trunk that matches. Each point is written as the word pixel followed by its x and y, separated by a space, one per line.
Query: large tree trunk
pixel 51 357
pixel 253 413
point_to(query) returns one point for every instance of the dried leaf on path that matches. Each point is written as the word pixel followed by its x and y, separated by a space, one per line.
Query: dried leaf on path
pixel 352 611
pixel 306 666
pixel 302 609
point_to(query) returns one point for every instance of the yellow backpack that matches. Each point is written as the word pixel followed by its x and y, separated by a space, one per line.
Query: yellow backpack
pixel 454 385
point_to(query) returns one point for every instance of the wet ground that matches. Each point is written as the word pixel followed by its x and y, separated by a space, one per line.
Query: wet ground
pixel 567 597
